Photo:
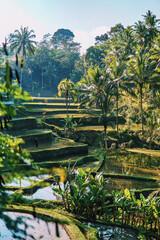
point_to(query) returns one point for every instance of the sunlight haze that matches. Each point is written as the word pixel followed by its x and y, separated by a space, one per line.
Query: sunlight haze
pixel 86 19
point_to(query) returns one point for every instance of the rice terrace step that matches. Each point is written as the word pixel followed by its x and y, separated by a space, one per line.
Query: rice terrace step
pixel 55 151
pixel 50 100
pixel 50 105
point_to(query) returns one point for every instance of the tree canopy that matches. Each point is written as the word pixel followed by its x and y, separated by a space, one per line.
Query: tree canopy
pixel 62 37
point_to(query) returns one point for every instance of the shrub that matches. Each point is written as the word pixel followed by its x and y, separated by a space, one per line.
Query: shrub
pixel 84 194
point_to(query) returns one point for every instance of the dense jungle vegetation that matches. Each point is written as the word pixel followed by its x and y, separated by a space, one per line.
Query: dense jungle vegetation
pixel 120 75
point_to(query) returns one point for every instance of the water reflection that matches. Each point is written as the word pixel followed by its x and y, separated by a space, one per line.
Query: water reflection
pixel 37 228
pixel 26 181
pixel 120 184
pixel 123 162
pixel 107 232
pixel 116 162
pixel 134 164
pixel 46 193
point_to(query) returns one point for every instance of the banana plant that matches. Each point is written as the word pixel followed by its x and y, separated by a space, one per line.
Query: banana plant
pixel 85 194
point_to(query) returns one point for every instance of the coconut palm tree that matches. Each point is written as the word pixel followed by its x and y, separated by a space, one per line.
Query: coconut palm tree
pixel 117 55
pixel 142 71
pixel 156 51
pixel 117 74
pixel 152 26
pixel 67 87
pixel 153 127
pixel 21 41
pixel 147 30
pixel 96 93
pixel 141 32
pixel 155 55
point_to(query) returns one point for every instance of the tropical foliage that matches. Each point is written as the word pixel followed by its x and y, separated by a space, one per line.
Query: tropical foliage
pixel 21 41
pixel 53 61
pixel 120 75
pixel 142 71
pixel 70 127
pixel 129 59
pixel 85 194
pixel 11 153
pixel 96 94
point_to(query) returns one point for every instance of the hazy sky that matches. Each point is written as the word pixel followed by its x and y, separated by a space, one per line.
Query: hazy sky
pixel 85 18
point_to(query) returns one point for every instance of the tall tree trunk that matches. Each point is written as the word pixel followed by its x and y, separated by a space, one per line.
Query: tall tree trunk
pixel 42 78
pixel 32 83
pixel 117 98
pixel 50 83
pixel 105 137
pixel 21 78
pixel 141 108
pixel 66 96
pixel 67 105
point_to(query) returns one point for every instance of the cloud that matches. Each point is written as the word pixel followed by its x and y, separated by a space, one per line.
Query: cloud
pixel 87 39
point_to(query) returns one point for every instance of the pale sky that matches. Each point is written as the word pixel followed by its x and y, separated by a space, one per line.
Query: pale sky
pixel 85 18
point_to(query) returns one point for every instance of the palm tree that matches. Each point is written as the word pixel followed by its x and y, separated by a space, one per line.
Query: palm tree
pixel 146 30
pixel 67 87
pixel 96 93
pixel 156 51
pixel 153 127
pixel 127 42
pixel 117 55
pixel 21 43
pixel 152 26
pixel 155 54
pixel 121 47
pixel 142 70
pixel 115 50
pixel 141 32
pixel 116 73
